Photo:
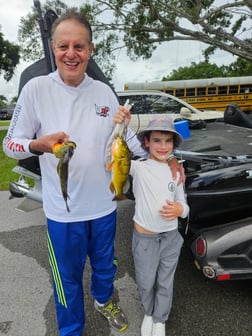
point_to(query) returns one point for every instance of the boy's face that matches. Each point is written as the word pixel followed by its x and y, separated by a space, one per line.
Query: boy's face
pixel 160 145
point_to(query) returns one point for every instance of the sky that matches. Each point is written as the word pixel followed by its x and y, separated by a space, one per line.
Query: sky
pixel 167 57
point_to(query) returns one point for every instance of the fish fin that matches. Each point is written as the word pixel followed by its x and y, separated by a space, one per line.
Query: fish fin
pixel 112 187
pixel 126 186
pixel 58 167
pixel 109 165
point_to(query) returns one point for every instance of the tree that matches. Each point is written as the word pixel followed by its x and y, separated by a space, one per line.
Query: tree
pixel 205 69
pixel 241 67
pixel 200 70
pixel 9 57
pixel 3 101
pixel 29 31
pixel 142 25
pixel 13 101
pixel 30 37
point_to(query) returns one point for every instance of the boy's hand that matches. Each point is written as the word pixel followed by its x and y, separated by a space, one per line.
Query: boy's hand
pixel 171 210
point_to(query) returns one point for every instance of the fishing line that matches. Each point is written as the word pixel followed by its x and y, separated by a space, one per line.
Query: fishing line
pixel 138 127
pixel 128 104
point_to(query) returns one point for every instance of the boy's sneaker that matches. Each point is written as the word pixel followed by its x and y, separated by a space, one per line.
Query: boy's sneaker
pixel 158 329
pixel 146 327
pixel 113 313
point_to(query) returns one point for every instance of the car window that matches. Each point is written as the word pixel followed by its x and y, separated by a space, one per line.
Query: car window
pixel 142 104
pixel 166 105
pixel 152 104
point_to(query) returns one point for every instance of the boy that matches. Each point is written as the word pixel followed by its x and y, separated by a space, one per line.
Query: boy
pixel 156 240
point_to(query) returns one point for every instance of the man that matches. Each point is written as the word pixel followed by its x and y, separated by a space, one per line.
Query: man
pixel 69 105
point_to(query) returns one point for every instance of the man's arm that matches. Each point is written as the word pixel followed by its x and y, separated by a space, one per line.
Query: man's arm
pixel 176 167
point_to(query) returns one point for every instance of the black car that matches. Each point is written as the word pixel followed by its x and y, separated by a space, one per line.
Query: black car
pixel 219 191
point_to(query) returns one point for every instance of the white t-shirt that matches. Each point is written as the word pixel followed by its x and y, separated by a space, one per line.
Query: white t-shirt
pixel 46 105
pixel 152 186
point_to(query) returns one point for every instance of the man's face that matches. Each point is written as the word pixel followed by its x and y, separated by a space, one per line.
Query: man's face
pixel 72 49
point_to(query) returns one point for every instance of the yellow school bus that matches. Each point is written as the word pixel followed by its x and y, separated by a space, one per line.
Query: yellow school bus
pixel 204 94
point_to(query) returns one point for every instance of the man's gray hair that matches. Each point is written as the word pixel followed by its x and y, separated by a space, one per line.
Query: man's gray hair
pixel 73 15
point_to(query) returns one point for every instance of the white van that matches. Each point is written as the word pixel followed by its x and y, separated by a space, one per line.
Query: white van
pixel 150 102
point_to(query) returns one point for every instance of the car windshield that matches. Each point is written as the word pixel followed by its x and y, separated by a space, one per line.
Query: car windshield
pixel 153 104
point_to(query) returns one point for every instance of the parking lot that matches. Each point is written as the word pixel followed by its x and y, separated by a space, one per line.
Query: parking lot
pixel 6 113
pixel 200 307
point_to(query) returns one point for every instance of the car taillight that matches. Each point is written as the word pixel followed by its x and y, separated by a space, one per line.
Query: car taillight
pixel 200 247
pixel 223 277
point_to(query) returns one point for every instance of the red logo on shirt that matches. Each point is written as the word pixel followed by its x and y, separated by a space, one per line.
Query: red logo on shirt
pixel 102 111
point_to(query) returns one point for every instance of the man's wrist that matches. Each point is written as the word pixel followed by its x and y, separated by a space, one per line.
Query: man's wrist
pixel 170 157
pixel 32 151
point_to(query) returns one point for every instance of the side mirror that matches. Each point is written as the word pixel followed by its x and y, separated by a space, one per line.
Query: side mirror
pixel 185 112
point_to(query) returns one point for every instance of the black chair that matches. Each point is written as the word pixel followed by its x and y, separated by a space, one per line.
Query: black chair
pixel 233 115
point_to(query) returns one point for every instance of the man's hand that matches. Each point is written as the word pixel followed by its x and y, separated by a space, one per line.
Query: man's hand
pixel 176 167
pixel 44 144
pixel 122 116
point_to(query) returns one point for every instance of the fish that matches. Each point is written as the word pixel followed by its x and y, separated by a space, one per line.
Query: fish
pixel 119 167
pixel 64 152
pixel 120 158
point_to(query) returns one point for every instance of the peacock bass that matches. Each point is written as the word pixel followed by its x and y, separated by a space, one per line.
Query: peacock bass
pixel 119 163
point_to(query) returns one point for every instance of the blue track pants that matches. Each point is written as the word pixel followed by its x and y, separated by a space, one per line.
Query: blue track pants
pixel 68 245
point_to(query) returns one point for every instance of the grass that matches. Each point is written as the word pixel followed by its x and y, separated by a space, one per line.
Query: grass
pixel 6 165
pixel 4 122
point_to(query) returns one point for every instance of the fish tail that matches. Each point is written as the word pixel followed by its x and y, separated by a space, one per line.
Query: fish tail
pixel 121 197
pixel 65 196
pixel 67 207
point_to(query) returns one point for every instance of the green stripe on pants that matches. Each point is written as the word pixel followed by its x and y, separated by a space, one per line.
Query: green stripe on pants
pixel 55 273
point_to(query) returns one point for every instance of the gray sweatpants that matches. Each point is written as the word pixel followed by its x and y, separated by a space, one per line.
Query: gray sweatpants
pixel 156 257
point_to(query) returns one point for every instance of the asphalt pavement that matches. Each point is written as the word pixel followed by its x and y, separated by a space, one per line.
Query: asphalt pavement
pixel 200 307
